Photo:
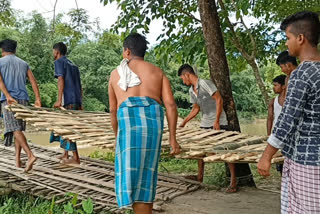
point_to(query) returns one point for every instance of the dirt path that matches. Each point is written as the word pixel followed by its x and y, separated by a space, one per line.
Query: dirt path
pixel 246 201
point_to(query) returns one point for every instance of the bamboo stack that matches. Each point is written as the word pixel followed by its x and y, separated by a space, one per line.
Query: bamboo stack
pixel 92 178
pixel 94 129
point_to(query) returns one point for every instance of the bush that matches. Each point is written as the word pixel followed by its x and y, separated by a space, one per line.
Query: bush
pixel 48 94
pixel 92 104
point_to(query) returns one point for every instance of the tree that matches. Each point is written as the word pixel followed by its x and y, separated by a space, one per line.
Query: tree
pixel 6 13
pixel 253 44
pixel 217 59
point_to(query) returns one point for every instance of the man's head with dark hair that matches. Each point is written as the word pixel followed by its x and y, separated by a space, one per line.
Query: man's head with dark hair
pixel 286 62
pixel 300 28
pixel 135 45
pixel 59 49
pixel 279 83
pixel 8 45
pixel 185 68
pixel 184 72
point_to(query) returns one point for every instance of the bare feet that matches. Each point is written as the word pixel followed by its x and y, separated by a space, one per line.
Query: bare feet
pixel 71 161
pixel 62 157
pixel 30 163
pixel 231 189
pixel 20 164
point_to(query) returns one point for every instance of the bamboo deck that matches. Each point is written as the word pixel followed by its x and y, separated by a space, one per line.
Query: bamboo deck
pixel 92 178
pixel 94 129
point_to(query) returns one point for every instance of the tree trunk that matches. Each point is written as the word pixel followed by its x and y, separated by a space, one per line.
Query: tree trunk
pixel 258 78
pixel 219 71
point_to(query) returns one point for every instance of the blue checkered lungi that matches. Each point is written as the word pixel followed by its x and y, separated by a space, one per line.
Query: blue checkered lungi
pixel 140 127
pixel 66 144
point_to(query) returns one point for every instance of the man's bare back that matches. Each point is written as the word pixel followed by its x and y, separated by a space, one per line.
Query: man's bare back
pixel 151 78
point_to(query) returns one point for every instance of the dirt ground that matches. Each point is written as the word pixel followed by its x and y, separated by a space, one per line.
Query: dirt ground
pixel 246 201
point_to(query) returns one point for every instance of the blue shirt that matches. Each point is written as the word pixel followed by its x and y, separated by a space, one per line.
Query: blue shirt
pixel 297 130
pixel 14 74
pixel 72 83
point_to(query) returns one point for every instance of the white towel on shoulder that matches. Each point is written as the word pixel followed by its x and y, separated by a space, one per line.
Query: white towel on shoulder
pixel 128 78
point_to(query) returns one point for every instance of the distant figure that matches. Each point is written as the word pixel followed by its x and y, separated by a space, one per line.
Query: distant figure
pixel 275 104
pixel 136 91
pixel 297 130
pixel 14 72
pixel 69 96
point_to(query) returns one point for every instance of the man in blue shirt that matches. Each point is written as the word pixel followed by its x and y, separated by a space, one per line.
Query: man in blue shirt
pixel 297 131
pixel 14 72
pixel 69 94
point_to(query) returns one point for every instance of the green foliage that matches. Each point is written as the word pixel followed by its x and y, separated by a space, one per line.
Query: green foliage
pixel 6 13
pixel 48 93
pixel 17 203
pixel 87 206
pixel 70 207
pixel 246 94
pixel 107 156
pixel 92 104
pixel 168 164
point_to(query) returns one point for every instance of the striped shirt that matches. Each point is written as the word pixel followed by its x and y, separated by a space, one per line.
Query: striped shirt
pixel 297 131
pixel 206 88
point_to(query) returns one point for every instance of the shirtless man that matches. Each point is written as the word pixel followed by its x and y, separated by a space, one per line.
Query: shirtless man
pixel 136 90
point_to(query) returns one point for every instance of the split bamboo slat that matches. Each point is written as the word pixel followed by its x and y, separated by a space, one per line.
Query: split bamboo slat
pixel 92 178
pixel 94 129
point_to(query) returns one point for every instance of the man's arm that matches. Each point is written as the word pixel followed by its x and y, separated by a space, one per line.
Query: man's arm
pixel 219 106
pixel 171 113
pixel 60 92
pixel 35 88
pixel 113 107
pixel 194 111
pixel 4 90
pixel 270 117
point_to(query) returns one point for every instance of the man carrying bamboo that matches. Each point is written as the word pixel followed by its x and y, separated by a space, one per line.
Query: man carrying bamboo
pixel 69 95
pixel 136 91
pixel 14 72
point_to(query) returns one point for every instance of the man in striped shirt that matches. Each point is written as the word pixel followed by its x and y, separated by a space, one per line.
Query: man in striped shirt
pixel 297 131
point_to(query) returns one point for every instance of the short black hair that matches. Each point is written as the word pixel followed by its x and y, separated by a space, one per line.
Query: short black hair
pixel 306 23
pixel 281 79
pixel 8 45
pixel 136 43
pixel 185 68
pixel 285 58
pixel 61 47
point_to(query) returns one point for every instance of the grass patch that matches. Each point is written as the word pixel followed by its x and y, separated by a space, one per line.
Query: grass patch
pixel 106 156
pixel 17 203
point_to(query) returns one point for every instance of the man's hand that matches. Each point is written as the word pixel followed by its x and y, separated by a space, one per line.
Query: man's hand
pixel 37 104
pixel 216 125
pixel 57 104
pixel 175 147
pixel 264 166
pixel 265 161
pixel 11 100
pixel 181 125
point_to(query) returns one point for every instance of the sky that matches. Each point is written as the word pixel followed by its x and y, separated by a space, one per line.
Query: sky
pixel 107 14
